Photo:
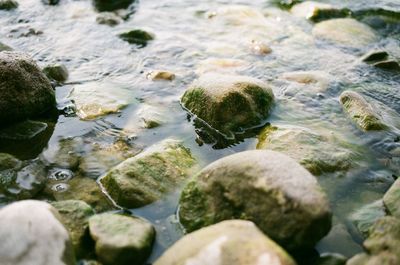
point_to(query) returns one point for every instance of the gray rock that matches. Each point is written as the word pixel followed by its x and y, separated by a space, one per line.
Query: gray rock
pixel 57 72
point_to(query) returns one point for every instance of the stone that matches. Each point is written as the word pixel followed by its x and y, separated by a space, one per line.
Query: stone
pixel 108 18
pixel 147 177
pixel 317 153
pixel 57 72
pixel 365 217
pixel 8 4
pixel 316 12
pixel 233 242
pixel 8 161
pixel 345 31
pixel 75 215
pixel 24 130
pixel 160 75
pixel 34 235
pixel 391 199
pixel 4 47
pixel 388 65
pixel 51 2
pixel 361 111
pixel 107 5
pixel 66 154
pixel 318 80
pixel 268 188
pixel 229 103
pixel 374 56
pixel 120 239
pixel 25 90
pixel 138 37
pixel 260 48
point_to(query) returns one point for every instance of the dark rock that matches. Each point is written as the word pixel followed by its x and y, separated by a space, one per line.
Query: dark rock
pixel 375 56
pixel 138 37
pixel 8 4
pixel 111 5
pixel 57 72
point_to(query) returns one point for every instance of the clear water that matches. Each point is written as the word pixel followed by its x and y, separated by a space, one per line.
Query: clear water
pixel 186 42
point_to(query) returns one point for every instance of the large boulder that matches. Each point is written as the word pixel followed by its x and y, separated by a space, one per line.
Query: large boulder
pixel 145 178
pixel 233 242
pixel 391 199
pixel 25 90
pixel 229 103
pixel 121 240
pixel 32 234
pixel 281 197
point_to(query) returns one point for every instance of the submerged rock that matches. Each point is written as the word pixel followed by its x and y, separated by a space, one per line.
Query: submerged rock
pixel 51 2
pixel 317 153
pixel 364 218
pixel 345 31
pixel 160 75
pixel 145 178
pixel 137 36
pixel 392 199
pixel 315 81
pixel 57 72
pixel 233 242
pixel 282 198
pixel 361 111
pixel 34 235
pixel 8 4
pixel 108 18
pixel 107 5
pixel 318 11
pixel 121 240
pixel 4 47
pixel 229 103
pixel 388 65
pixel 75 215
pixel 25 90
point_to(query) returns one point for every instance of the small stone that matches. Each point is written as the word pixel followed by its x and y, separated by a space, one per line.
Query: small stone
pixel 57 72
pixel 375 56
pixel 8 4
pixel 260 48
pixel 316 12
pixel 108 18
pixel 107 5
pixel 51 2
pixel 120 239
pixel 138 37
pixel 392 199
pixel 160 75
pixel 388 65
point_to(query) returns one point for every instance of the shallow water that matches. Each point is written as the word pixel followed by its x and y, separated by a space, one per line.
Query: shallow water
pixel 190 37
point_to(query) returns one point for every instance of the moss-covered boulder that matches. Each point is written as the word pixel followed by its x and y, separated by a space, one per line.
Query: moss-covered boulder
pixel 57 72
pixel 362 112
pixel 281 197
pixel 108 5
pixel 316 11
pixel 145 178
pixel 33 234
pixel 121 240
pixel 346 32
pixel 75 215
pixel 229 103
pixel 233 242
pixel 392 199
pixel 364 218
pixel 317 153
pixel 25 90
pixel 8 4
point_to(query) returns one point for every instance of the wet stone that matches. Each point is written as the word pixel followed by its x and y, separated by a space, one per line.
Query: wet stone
pixel 4 47
pixel 8 4
pixel 107 5
pixel 316 12
pixel 388 65
pixel 138 37
pixel 108 18
pixel 50 2
pixel 57 72
pixel 375 56
pixel 160 75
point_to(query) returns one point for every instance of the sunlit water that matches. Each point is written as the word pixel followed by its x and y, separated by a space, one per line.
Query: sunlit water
pixel 189 36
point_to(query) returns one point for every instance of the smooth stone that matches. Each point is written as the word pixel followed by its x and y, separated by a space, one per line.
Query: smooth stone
pixel 34 235
pixel 318 81
pixel 391 199
pixel 147 177
pixel 160 75
pixel 57 72
pixel 121 240
pixel 153 116
pixel 269 188
pixel 229 103
pixel 75 215
pixel 107 5
pixel 138 37
pixel 8 4
pixel 361 111
pixel 388 65
pixel 365 217
pixel 317 153
pixel 108 18
pixel 315 11
pixel 345 31
pixel 374 56
pixel 25 90
pixel 233 242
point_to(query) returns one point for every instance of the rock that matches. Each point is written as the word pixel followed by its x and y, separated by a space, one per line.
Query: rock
pixel 345 31
pixel 8 161
pixel 121 240
pixel 361 111
pixel 153 115
pixel 138 37
pixel 160 75
pixel 260 48
pixel 34 235
pixel 25 90
pixel 282 198
pixel 4 47
pixel 375 56
pixel 50 2
pixel 317 153
pixel 107 5
pixel 75 215
pixel 364 218
pixel 233 242
pixel 8 4
pixel 108 18
pixel 315 11
pixel 66 154
pixel 145 178
pixel 388 65
pixel 229 103
pixel 24 130
pixel 315 79
pixel 392 199
pixel 57 72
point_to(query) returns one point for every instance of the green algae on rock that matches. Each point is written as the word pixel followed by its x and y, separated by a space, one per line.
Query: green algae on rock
pixel 75 215
pixel 361 111
pixel 365 217
pixel 120 239
pixel 234 242
pixel 392 199
pixel 57 72
pixel 145 178
pixel 317 153
pixel 34 235
pixel 25 90
pixel 345 31
pixel 229 103
pixel 281 197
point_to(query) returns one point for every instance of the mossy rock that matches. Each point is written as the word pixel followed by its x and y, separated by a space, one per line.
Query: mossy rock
pixel 281 197
pixel 361 111
pixel 121 240
pixel 317 153
pixel 147 177
pixel 57 72
pixel 8 4
pixel 75 215
pixel 392 199
pixel 233 242
pixel 229 103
